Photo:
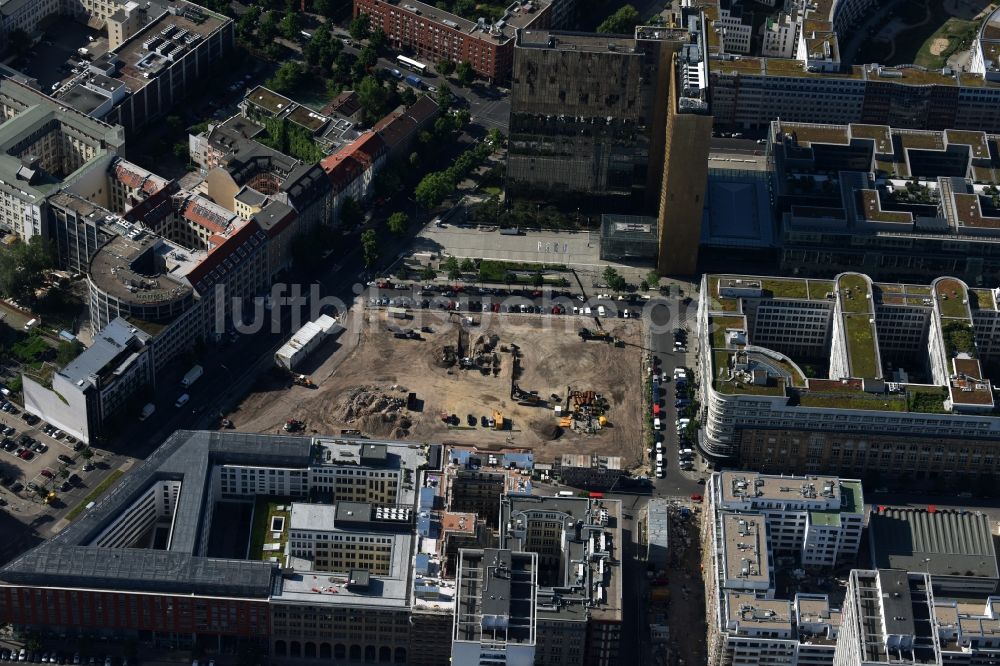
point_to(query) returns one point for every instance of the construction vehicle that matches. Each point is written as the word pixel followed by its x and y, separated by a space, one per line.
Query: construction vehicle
pixel 529 398
pixel 302 380
pixel 498 420
pixel 293 425
pixel 588 334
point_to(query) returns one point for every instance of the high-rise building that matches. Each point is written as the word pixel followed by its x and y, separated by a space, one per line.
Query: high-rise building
pixel 850 376
pixel 616 119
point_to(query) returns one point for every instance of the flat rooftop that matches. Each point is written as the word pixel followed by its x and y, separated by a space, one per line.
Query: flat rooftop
pixel 942 543
pixel 744 539
pixel 751 615
pixel 138 60
pixel 145 269
pixel 816 491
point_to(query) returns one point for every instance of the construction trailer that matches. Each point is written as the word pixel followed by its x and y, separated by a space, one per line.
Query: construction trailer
pixel 305 340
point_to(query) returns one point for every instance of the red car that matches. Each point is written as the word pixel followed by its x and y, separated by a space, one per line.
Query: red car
pixel 696 498
pixel 47 473
pixel 26 455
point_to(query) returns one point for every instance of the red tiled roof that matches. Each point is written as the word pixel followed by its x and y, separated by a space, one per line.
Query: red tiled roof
pixel 360 155
pixel 222 247
pixel 200 215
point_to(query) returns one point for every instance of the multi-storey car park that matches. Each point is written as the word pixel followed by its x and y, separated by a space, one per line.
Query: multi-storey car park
pixel 850 376
pixel 753 521
pixel 904 204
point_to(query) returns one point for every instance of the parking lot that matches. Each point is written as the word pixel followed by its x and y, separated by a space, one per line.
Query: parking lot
pixel 42 462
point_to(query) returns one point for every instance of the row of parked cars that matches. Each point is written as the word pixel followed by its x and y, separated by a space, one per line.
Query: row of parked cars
pixel 55 657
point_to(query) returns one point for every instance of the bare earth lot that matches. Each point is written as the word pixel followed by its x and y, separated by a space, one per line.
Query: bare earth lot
pixel 364 386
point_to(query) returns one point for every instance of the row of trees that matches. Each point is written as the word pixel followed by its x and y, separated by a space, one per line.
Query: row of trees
pixel 437 185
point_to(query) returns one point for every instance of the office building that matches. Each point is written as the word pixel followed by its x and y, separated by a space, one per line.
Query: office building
pixel 849 376
pixel 113 373
pixel 622 120
pixel 818 519
pixel 954 547
pixel 755 525
pixel 45 147
pixel 153 561
pixel 175 46
pixel 894 616
pixel 901 204
pixel 435 34
pixel 578 611
pixel 495 608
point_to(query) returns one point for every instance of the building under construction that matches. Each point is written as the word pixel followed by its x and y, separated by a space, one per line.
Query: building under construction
pixel 619 120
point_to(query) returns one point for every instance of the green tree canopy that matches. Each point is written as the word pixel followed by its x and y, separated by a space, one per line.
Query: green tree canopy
pixel 22 267
pixel 360 26
pixel 464 73
pixel 291 24
pixel 433 189
pixel 622 22
pixel 445 67
pixel 372 96
pixel 613 279
pixel 288 77
pixel 369 247
pixel 398 222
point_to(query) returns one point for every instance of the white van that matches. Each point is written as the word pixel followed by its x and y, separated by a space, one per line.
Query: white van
pixel 600 311
pixel 183 400
pixel 31 324
pixel 686 453
pixel 566 493
pixel 680 372
pixel 659 459
pixel 659 447
pixel 657 424
pixel 659 471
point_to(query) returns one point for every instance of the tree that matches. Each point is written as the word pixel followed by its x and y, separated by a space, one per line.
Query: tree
pixel 325 8
pixel 468 265
pixel 267 29
pixel 445 67
pixel 180 151
pixel 19 41
pixel 248 22
pixel 291 24
pixel 360 26
pixel 398 222
pixel 652 279
pixel 622 22
pixel 67 351
pixel 351 213
pixel 377 40
pixel 428 273
pixel 22 268
pixel 288 77
pixel 369 247
pixel 433 188
pixel 409 97
pixel 613 279
pixel 368 57
pixel 451 265
pixel 464 73
pixel 495 138
pixel 538 279
pixel 643 286
pixel 372 96
pixel 443 97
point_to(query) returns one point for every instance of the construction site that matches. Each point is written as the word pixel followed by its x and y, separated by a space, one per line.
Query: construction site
pixel 512 382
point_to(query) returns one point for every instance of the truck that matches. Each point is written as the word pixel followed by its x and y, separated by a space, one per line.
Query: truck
pixel 414 81
pixel 147 411
pixel 193 375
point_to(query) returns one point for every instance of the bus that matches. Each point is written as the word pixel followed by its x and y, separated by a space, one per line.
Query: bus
pixel 409 63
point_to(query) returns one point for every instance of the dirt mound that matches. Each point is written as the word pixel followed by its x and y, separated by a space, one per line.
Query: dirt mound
pixel 547 430
pixel 375 411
